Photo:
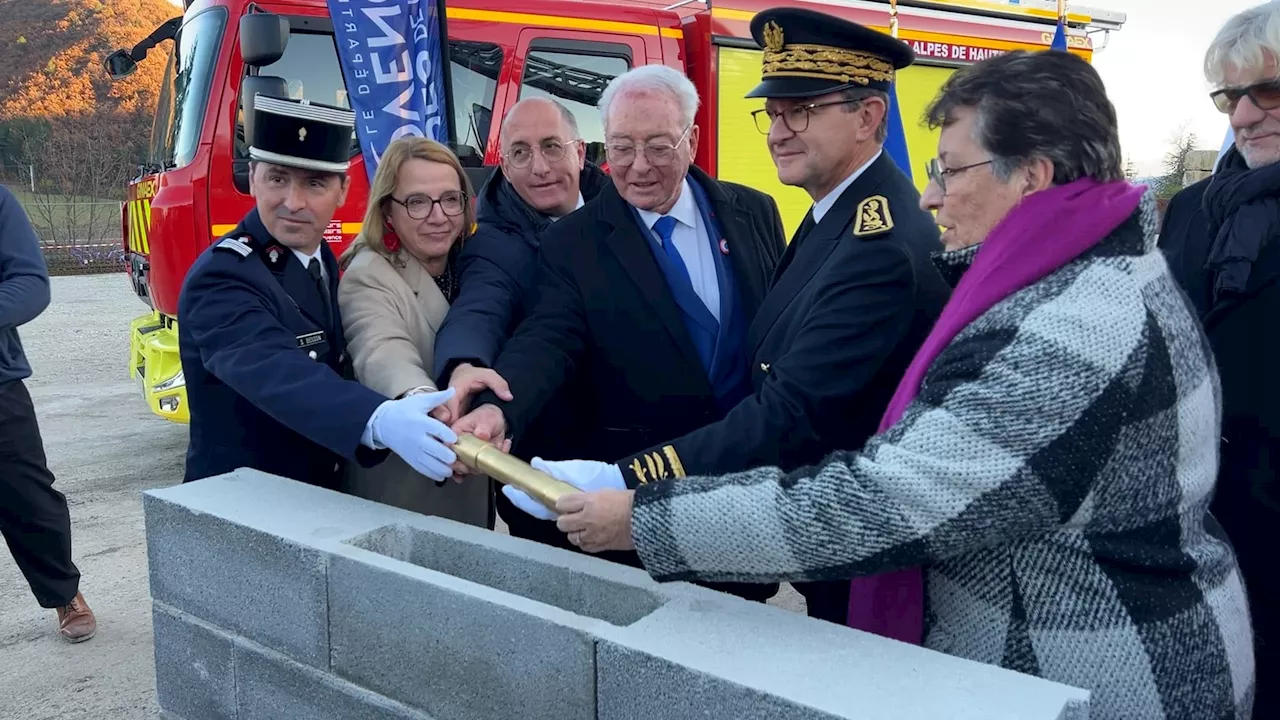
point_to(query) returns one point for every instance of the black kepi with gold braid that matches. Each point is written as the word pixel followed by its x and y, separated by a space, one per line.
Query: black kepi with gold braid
pixel 809 53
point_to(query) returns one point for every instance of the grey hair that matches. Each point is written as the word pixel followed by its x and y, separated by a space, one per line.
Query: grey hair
pixel 1247 40
pixel 565 114
pixel 1036 105
pixel 656 79
pixel 854 94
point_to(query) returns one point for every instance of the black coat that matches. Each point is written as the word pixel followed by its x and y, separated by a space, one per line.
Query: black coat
pixel 495 273
pixel 831 341
pixel 1247 498
pixel 606 319
pixel 266 368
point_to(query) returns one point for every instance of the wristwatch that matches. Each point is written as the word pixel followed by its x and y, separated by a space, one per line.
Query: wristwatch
pixel 417 391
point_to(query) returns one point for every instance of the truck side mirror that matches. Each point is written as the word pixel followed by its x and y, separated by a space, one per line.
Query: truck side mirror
pixel 263 37
pixel 120 64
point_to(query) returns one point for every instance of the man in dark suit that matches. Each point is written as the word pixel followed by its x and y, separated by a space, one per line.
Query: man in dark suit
pixel 259 334
pixel 645 294
pixel 854 296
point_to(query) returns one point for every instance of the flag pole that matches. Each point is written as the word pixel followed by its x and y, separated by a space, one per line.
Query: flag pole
pixel 893 16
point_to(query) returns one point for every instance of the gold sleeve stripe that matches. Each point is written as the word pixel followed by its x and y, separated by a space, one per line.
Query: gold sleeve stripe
pixel 677 467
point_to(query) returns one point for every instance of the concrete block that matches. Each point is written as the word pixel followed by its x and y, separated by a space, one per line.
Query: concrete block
pixel 619 601
pixel 270 686
pixel 632 684
pixel 195 667
pixel 454 649
pixel 425 616
pixel 255 584
pixel 707 647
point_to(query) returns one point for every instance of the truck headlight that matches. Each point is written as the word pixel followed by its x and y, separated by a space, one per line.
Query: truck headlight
pixel 176 381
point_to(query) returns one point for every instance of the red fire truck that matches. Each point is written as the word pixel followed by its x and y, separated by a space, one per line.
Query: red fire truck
pixel 194 185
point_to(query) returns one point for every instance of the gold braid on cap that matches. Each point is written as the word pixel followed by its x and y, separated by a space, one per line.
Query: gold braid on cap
pixel 820 61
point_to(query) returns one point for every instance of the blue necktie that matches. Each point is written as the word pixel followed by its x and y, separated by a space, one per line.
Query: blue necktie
pixel 665 226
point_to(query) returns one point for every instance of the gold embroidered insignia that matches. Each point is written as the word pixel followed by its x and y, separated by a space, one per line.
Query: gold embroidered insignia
pixel 772 36
pixel 872 217
pixel 638 469
pixel 677 467
pixel 302 134
pixel 657 468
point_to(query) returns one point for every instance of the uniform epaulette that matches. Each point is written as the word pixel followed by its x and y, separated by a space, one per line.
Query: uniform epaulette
pixel 242 246
pixel 872 217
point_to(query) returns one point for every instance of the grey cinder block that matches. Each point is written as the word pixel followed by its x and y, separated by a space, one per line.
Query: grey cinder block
pixel 617 602
pixel 632 684
pixel 346 606
pixel 255 584
pixel 456 652
pixel 195 675
pixel 270 686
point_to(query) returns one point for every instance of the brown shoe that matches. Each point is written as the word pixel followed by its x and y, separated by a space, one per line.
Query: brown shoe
pixel 76 622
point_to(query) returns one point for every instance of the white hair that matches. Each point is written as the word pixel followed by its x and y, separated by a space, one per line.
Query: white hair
pixel 1247 40
pixel 656 79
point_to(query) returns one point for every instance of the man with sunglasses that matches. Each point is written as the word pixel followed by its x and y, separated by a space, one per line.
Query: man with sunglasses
pixel 1222 238
pixel 644 296
pixel 854 295
pixel 260 336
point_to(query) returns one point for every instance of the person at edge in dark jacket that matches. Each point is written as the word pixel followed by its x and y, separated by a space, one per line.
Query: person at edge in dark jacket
pixel 1222 239
pixel 34 518
pixel 543 176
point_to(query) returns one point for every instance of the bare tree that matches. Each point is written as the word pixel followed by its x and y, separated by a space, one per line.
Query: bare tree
pixel 1181 144
pixel 1130 170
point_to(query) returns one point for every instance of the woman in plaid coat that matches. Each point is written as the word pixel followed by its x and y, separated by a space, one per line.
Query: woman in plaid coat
pixel 1038 495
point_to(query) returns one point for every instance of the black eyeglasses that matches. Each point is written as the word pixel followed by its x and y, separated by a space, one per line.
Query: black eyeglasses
pixel 936 173
pixel 452 202
pixel 1266 95
pixel 552 151
pixel 796 117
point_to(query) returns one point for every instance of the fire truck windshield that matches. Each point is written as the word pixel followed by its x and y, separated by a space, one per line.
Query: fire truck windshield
pixel 184 91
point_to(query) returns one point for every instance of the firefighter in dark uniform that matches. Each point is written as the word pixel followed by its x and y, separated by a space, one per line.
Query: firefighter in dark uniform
pixel 266 368
pixel 852 299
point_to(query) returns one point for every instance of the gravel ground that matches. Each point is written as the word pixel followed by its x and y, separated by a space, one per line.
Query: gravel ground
pixel 105 449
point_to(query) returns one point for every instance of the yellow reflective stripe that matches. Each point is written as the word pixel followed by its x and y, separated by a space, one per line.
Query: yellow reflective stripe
pixel 348 228
pixel 958 5
pixel 560 21
pixel 135 240
pixel 144 222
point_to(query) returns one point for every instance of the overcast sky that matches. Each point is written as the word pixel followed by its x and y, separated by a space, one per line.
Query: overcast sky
pixel 1153 71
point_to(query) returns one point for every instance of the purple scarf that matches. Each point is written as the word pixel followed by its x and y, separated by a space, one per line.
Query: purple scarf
pixel 1045 232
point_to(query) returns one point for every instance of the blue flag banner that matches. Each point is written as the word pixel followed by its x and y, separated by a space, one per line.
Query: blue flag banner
pixel 1059 37
pixel 896 142
pixel 393 66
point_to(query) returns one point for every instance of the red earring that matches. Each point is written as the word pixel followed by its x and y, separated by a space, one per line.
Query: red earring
pixel 390 239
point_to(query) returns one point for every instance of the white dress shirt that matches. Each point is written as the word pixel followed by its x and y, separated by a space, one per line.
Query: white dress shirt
pixel 581 202
pixel 821 207
pixel 305 259
pixel 691 239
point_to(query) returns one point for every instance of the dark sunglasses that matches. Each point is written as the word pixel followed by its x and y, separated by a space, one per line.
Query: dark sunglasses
pixel 1266 95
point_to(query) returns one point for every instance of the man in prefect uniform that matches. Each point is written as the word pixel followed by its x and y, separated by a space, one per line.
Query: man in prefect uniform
pixel 266 367
pixel 854 295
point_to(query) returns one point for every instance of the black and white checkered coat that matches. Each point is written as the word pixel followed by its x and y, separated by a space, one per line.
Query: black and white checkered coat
pixel 1053 475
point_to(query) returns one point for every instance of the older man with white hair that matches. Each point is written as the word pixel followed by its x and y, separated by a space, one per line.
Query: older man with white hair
pixel 1222 238
pixel 644 294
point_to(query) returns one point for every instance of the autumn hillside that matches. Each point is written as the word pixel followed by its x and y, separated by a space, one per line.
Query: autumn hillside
pixel 51 55
pixel 71 138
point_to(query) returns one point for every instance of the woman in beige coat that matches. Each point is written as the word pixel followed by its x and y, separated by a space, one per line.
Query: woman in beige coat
pixel 398 280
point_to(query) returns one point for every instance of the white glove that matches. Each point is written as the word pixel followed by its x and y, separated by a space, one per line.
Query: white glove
pixel 586 475
pixel 406 429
